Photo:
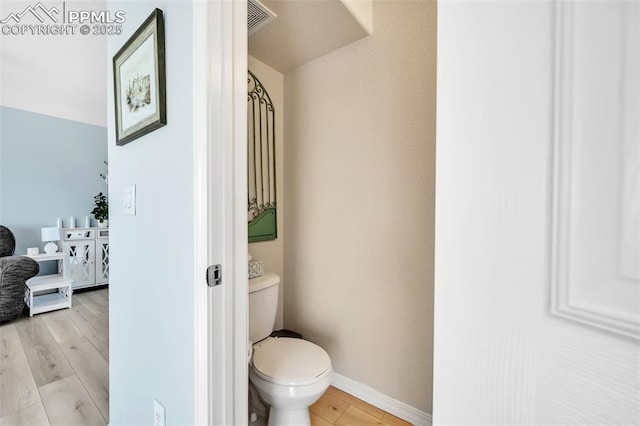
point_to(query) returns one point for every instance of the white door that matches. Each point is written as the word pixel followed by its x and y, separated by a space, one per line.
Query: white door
pixel 537 314
pixel 220 37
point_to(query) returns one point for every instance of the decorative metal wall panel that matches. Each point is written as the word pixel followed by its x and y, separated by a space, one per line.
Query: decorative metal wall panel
pixel 261 163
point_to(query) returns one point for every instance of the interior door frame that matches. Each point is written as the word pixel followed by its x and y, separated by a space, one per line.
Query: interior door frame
pixel 220 129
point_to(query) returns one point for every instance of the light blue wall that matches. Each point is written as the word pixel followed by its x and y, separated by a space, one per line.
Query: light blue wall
pixel 49 168
pixel 152 254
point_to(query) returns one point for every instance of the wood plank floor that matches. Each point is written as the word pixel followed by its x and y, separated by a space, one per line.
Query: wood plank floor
pixel 339 408
pixel 54 367
pixel 54 370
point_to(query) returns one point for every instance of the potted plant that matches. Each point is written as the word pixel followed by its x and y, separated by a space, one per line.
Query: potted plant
pixel 101 210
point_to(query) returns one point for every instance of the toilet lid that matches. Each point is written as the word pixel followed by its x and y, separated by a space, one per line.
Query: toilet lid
pixel 289 361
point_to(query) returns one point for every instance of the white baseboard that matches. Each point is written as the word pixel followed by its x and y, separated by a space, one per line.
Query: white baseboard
pixel 373 397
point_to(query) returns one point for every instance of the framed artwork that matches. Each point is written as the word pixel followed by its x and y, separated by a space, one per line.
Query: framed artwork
pixel 140 81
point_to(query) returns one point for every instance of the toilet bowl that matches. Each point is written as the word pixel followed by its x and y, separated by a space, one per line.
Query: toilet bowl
pixel 290 375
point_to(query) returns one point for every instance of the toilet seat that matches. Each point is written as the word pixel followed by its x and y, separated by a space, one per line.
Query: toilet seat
pixel 290 362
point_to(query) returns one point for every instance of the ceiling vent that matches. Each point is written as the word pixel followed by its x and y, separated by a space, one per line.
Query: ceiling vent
pixel 258 16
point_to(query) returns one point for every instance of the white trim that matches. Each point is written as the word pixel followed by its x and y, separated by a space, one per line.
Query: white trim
pixel 382 401
pixel 202 122
pixel 234 121
pixel 240 55
pixel 220 317
pixel 223 202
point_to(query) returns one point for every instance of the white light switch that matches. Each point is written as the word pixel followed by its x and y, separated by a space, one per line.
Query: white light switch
pixel 129 200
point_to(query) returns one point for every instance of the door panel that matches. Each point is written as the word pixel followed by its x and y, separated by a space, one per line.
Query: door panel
pixel 501 355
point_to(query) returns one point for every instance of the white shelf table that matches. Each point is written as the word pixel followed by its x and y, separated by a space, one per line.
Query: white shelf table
pixel 36 299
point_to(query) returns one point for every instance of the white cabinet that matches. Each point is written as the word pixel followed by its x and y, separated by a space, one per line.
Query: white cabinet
pixel 87 261
pixel 102 256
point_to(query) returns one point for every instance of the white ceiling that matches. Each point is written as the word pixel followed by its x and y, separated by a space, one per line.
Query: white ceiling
pixel 62 76
pixel 307 29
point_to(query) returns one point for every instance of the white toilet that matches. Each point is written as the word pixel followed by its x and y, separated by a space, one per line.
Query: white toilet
pixel 289 374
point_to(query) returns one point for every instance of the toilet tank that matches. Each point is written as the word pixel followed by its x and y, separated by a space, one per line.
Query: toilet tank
pixel 263 305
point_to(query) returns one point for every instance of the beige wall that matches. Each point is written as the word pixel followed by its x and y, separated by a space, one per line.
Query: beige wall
pixel 272 252
pixel 359 214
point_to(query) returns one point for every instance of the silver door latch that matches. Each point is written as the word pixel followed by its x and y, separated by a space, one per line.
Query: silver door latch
pixel 214 275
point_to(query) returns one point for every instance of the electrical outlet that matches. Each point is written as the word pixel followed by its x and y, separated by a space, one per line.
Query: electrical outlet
pixel 159 413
